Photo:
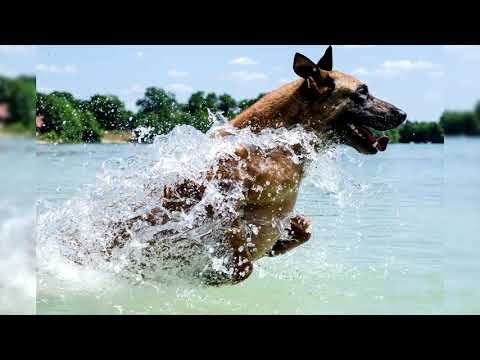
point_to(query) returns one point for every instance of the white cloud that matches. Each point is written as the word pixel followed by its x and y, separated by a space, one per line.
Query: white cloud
pixel 17 49
pixel 243 60
pixel 57 69
pixel 177 74
pixel 248 76
pixel 140 53
pixel 392 68
pixel 179 88
pixel 277 68
pixel 398 66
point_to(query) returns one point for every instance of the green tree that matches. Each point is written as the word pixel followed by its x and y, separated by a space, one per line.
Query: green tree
pixel 212 102
pixel 477 110
pixel 227 105
pixel 406 132
pixel 246 103
pixel 436 135
pixel 91 131
pixel 65 95
pixel 199 102
pixel 460 123
pixel 20 94
pixel 109 111
pixel 55 111
pixel 200 121
pixel 158 109
pixel 62 121
pixel 420 132
pixel 196 102
pixel 157 100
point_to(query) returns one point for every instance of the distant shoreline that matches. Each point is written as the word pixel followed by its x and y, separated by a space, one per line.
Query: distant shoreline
pixel 109 137
pixel 110 140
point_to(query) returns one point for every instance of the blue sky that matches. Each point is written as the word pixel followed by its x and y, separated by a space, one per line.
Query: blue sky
pixel 422 80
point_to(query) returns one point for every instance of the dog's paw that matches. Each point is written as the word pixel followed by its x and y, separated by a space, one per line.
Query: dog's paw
pixel 300 228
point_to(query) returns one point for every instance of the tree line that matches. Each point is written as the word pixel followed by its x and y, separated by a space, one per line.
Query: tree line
pixel 71 120
pixel 67 119
pixel 17 101
pixel 64 118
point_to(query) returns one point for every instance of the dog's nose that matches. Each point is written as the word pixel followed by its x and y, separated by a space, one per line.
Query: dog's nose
pixel 402 115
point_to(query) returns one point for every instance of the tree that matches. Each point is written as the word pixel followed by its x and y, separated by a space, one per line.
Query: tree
pixel 211 102
pixel 460 123
pixel 477 111
pixel 158 109
pixel 421 132
pixel 129 120
pixel 55 111
pixel 65 95
pixel 4 89
pixel 436 135
pixel 109 111
pixel 61 120
pixel 199 102
pixel 246 103
pixel 227 105
pixel 157 100
pixel 200 121
pixel 406 132
pixel 195 102
pixel 20 94
pixel 160 124
pixel 91 131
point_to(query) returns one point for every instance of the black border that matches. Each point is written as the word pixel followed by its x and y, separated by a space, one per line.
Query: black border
pixel 230 23
pixel 389 336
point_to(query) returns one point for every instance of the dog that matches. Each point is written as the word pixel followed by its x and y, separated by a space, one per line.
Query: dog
pixel 334 106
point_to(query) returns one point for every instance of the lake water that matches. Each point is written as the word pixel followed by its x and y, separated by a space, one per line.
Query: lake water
pixel 394 233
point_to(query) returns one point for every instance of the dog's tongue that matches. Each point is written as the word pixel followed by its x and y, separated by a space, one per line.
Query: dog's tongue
pixel 382 143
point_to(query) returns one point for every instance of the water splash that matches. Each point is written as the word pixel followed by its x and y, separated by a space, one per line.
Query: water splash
pixel 17 227
pixel 82 230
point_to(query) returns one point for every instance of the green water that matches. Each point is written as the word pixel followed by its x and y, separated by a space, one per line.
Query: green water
pixel 401 238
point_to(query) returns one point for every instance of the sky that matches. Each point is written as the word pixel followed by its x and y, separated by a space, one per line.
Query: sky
pixel 421 80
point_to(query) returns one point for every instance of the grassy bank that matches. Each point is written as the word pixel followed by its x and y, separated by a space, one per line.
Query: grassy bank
pixel 108 137
pixel 117 137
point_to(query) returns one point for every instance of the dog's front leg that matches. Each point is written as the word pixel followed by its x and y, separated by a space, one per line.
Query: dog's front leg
pixel 239 262
pixel 297 234
pixel 242 264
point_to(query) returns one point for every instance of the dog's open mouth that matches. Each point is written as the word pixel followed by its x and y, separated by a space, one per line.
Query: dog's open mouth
pixel 363 134
pixel 361 138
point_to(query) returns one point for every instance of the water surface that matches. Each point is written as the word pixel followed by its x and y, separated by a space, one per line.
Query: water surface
pixel 392 233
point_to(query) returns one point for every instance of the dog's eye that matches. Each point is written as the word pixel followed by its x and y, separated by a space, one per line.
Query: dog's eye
pixel 359 97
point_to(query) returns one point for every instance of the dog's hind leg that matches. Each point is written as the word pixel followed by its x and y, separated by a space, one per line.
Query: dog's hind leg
pixel 297 234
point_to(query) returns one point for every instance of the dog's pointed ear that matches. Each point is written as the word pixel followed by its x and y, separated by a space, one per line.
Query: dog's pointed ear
pixel 326 62
pixel 303 66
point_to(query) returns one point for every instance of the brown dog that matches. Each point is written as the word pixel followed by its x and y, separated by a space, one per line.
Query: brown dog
pixel 333 105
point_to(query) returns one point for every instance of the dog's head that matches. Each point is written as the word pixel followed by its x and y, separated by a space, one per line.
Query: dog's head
pixel 339 107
